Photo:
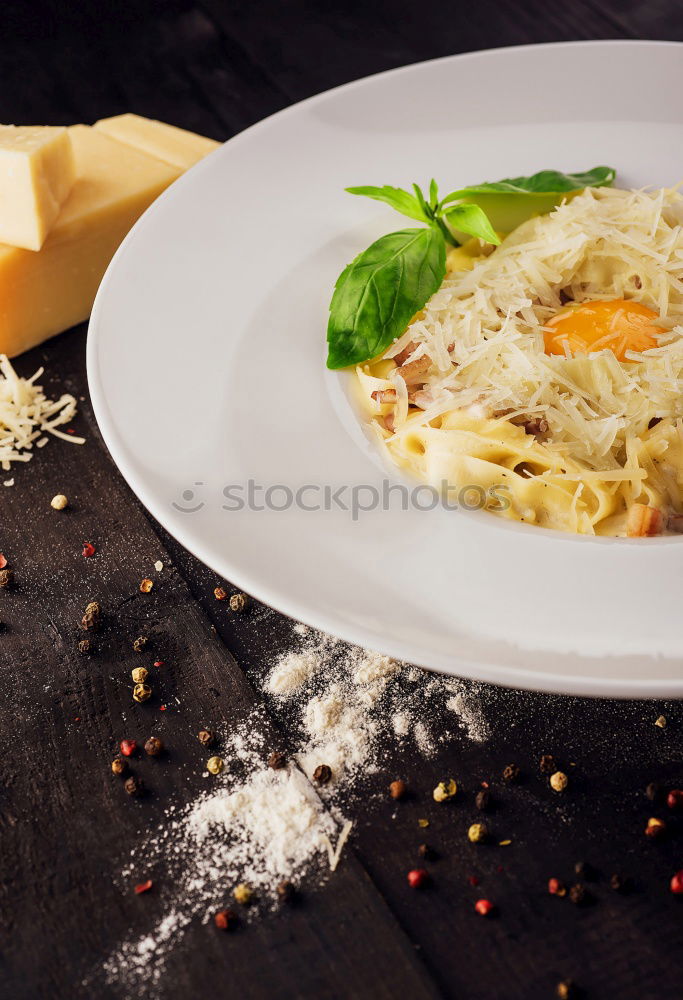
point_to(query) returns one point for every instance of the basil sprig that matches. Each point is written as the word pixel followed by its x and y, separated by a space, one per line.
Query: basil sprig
pixel 380 291
pixel 377 295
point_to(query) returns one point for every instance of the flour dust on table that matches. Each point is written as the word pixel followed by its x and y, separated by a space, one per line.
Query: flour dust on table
pixel 270 819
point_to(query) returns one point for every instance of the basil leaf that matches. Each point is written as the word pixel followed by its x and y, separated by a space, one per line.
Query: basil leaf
pixel 377 295
pixel 433 195
pixel 472 219
pixel 401 200
pixel 544 182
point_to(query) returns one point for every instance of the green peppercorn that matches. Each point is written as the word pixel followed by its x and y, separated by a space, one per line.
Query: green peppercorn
pixel 477 833
pixel 445 790
pixel 239 603
pixel 142 692
pixel 215 765
pixel 119 766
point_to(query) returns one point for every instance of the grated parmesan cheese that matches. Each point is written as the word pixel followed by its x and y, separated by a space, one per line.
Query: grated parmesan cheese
pixel 27 415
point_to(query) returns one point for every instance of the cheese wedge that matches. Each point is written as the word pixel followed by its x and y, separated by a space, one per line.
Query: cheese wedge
pixel 173 145
pixel 46 292
pixel 37 172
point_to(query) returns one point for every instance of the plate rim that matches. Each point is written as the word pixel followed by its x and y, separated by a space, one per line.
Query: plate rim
pixel 489 672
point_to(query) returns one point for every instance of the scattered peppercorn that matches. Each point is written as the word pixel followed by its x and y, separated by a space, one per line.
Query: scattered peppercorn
pixel 322 774
pixel 511 773
pixel 158 663
pixel 6 577
pixel 398 789
pixel 277 760
pixel 285 891
pixel 215 765
pixel 578 894
pixel 119 766
pixel 477 833
pixel 655 828
pixel 59 502
pixel 220 594
pixel 556 887
pixel 618 882
pixel 547 764
pixel 674 799
pixel 243 894
pixel 660 721
pixel 445 790
pixel 140 643
pixel 205 737
pixel 558 781
pixel 426 852
pixel 146 585
pixel 565 990
pixel 89 550
pixel 484 907
pixel 239 603
pixel 91 616
pixel 142 692
pixel 143 887
pixel 128 747
pixel 139 675
pixel 154 746
pixel 676 884
pixel 3 561
pixel 653 791
pixel 226 920
pixel 133 785
pixel 482 800
pixel 417 878
pixel 423 823
pixel 84 647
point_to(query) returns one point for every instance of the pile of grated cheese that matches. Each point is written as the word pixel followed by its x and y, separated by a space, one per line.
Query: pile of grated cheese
pixel 27 416
pixel 483 329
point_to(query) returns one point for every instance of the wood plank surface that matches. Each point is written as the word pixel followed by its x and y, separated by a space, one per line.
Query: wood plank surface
pixel 66 828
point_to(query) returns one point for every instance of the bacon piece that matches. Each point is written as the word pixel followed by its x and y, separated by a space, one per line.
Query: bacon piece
pixel 403 355
pixel 414 370
pixel 538 425
pixel 643 521
pixel 384 395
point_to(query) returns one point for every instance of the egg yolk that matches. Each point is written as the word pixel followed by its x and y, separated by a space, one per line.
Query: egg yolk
pixel 618 325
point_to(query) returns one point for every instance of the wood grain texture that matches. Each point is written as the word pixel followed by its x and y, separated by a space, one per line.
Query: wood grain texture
pixel 65 825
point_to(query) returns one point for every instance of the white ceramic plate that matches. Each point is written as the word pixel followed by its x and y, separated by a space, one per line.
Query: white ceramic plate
pixel 206 364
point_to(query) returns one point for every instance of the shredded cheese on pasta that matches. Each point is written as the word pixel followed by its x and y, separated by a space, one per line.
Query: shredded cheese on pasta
pixel 614 433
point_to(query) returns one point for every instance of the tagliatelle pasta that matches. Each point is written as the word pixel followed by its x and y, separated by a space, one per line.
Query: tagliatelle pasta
pixel 469 395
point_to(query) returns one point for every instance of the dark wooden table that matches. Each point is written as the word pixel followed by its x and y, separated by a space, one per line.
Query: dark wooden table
pixel 216 67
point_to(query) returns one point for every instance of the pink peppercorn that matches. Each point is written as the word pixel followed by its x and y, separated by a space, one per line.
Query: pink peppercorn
pixel 417 878
pixel 674 799
pixel 484 907
pixel 677 883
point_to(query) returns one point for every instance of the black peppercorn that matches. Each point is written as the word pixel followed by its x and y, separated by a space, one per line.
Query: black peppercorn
pixel 285 892
pixel 277 760
pixel 85 647
pixel 511 773
pixel 322 774
pixel 578 894
pixel 153 746
pixel 565 990
pixel 239 603
pixel 619 882
pixel 482 800
pixel 6 577
pixel 205 737
pixel 91 616
pixel 140 643
pixel 133 785
pixel 547 764
pixel 585 871
pixel 426 852
pixel 653 791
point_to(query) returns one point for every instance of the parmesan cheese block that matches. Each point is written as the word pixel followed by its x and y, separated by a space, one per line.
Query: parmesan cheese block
pixel 37 172
pixel 46 292
pixel 172 145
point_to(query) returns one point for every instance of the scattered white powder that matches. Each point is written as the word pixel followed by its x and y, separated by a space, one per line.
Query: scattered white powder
pixel 258 825
pixel 291 672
